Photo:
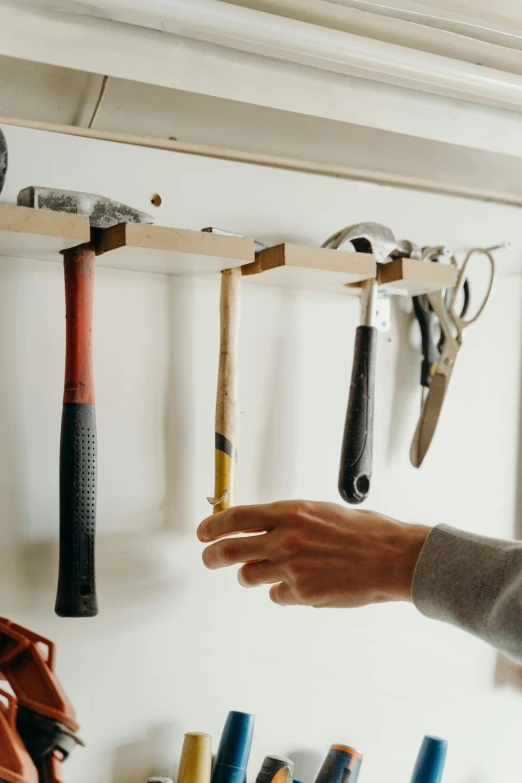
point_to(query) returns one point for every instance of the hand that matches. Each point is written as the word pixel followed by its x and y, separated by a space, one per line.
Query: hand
pixel 317 554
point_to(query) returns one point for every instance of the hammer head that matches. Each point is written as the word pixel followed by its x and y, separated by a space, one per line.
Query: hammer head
pixel 3 159
pixel 366 238
pixel 102 212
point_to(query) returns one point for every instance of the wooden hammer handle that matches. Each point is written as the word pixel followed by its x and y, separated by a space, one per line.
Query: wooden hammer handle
pixel 227 401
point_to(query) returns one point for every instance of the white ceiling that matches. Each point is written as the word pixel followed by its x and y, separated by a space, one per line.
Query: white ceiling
pixel 452 28
pixel 484 13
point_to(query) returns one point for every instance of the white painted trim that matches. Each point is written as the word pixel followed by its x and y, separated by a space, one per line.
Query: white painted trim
pixel 415 32
pixel 475 23
pixel 277 162
pixel 148 56
pixel 298 42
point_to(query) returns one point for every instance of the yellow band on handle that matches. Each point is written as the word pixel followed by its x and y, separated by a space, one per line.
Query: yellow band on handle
pixel 225 477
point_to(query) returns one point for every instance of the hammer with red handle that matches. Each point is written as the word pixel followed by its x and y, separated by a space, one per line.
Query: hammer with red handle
pixel 76 594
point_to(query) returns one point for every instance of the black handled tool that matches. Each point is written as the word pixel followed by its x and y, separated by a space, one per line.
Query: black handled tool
pixel 430 336
pixel 357 449
pixel 76 594
pixel 3 159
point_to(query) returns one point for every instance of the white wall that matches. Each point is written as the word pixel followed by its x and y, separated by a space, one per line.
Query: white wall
pixel 174 646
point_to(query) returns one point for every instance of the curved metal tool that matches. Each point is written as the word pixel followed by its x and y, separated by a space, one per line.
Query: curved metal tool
pixel 366 238
pixel 453 324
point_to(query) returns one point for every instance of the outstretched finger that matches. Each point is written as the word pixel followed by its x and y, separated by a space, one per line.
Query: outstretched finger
pixel 262 572
pixel 239 519
pixel 236 550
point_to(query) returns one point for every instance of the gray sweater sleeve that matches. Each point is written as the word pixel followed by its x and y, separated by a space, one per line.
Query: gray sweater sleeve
pixel 472 582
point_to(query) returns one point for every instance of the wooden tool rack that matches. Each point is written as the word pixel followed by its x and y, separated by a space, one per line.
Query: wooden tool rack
pixel 38 234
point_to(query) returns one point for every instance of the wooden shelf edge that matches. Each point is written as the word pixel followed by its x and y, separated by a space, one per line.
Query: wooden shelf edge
pixel 34 233
pixel 357 266
pixel 24 220
pixel 176 240
pixel 417 276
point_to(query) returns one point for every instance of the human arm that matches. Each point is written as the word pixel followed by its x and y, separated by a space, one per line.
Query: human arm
pixel 324 555
pixel 472 582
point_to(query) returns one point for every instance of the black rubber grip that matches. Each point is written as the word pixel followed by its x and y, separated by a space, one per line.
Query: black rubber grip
pixel 356 456
pixel 3 159
pixel 428 323
pixel 76 596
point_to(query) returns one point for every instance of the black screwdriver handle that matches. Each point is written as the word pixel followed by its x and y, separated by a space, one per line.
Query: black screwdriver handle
pixel 76 594
pixel 356 454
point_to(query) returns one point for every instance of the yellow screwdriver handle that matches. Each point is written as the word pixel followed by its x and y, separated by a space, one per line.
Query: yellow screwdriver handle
pixel 195 764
